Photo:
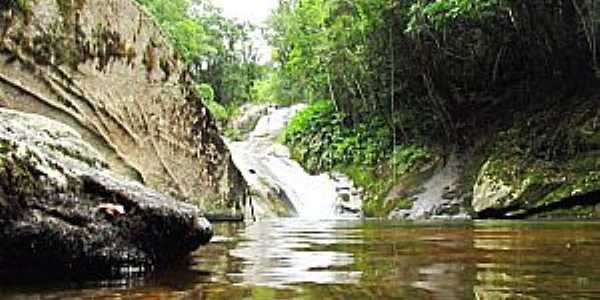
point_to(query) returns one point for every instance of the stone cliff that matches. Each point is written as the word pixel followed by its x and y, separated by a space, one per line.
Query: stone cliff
pixel 104 68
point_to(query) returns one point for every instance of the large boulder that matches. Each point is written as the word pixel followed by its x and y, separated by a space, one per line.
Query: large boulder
pixel 62 210
pixel 546 166
pixel 510 187
pixel 434 191
pixel 104 68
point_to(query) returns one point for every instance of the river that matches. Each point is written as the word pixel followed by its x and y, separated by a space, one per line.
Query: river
pixel 366 259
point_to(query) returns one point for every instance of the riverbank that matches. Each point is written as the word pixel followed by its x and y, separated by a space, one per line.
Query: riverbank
pixel 536 161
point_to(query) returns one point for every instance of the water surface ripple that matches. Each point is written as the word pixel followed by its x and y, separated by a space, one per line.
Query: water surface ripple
pixel 357 259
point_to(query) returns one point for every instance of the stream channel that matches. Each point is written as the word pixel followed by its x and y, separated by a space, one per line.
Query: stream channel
pixel 366 259
pixel 319 255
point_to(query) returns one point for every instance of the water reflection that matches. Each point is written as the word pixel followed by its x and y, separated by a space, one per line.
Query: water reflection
pixel 279 253
pixel 537 261
pixel 308 259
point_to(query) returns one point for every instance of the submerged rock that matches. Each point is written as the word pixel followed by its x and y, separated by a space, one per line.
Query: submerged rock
pixel 61 209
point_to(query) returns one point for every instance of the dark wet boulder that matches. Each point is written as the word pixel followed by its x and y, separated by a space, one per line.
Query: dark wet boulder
pixel 62 209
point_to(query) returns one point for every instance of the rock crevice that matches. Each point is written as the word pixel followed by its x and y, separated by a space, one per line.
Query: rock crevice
pixel 104 68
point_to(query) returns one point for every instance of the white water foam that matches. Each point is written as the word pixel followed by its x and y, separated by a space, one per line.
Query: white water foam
pixel 260 158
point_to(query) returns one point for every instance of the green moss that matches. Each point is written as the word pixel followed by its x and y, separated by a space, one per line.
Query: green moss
pixel 542 185
pixel 19 5
pixel 16 177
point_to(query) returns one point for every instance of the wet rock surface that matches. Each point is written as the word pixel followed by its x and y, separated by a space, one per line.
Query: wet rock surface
pixel 61 210
pixel 547 167
pixel 349 199
pixel 435 193
pixel 279 186
pixel 507 189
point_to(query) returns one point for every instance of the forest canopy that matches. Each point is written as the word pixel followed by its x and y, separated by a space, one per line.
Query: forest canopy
pixel 432 67
pixel 218 51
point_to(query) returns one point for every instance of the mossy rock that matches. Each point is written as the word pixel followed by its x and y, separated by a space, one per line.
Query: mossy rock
pixel 63 211
pixel 514 187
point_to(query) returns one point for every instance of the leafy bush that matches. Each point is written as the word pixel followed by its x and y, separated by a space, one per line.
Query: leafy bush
pixel 272 89
pixel 221 113
pixel 405 158
pixel 442 14
pixel 207 92
pixel 320 139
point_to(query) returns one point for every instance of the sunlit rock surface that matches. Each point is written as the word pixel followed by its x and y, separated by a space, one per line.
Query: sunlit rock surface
pixel 104 68
pixel 61 210
pixel 435 192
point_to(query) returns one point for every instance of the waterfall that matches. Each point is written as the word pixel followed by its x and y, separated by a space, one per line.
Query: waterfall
pixel 266 165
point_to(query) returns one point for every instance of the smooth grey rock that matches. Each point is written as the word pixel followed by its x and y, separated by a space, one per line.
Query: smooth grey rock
pixel 438 196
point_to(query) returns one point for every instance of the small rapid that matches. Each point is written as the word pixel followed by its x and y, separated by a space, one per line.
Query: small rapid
pixel 273 176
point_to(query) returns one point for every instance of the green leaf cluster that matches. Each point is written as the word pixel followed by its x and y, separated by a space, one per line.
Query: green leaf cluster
pixel 218 51
pixel 434 69
pixel 443 14
pixel 321 140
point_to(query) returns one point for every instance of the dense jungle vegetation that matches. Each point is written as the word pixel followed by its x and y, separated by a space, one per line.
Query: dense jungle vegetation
pixel 392 83
pixel 219 52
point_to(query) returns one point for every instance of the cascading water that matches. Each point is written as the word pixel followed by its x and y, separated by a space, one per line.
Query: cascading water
pixel 263 161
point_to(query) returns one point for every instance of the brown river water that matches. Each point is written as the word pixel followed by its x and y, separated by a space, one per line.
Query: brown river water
pixel 366 259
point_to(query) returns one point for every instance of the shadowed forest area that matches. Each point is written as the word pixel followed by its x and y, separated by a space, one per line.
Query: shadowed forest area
pixel 393 84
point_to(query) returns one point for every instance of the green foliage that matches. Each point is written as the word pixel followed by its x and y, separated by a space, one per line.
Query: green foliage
pixel 22 5
pixel 207 92
pixel 443 14
pixel 272 89
pixel 187 34
pixel 405 158
pixel 217 50
pixel 319 138
pixel 433 69
pixel 322 140
pixel 222 113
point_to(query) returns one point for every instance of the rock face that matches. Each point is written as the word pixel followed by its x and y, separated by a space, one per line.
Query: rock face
pixel 62 210
pixel 432 192
pixel 506 188
pixel 247 118
pixel 104 68
pixel 545 168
